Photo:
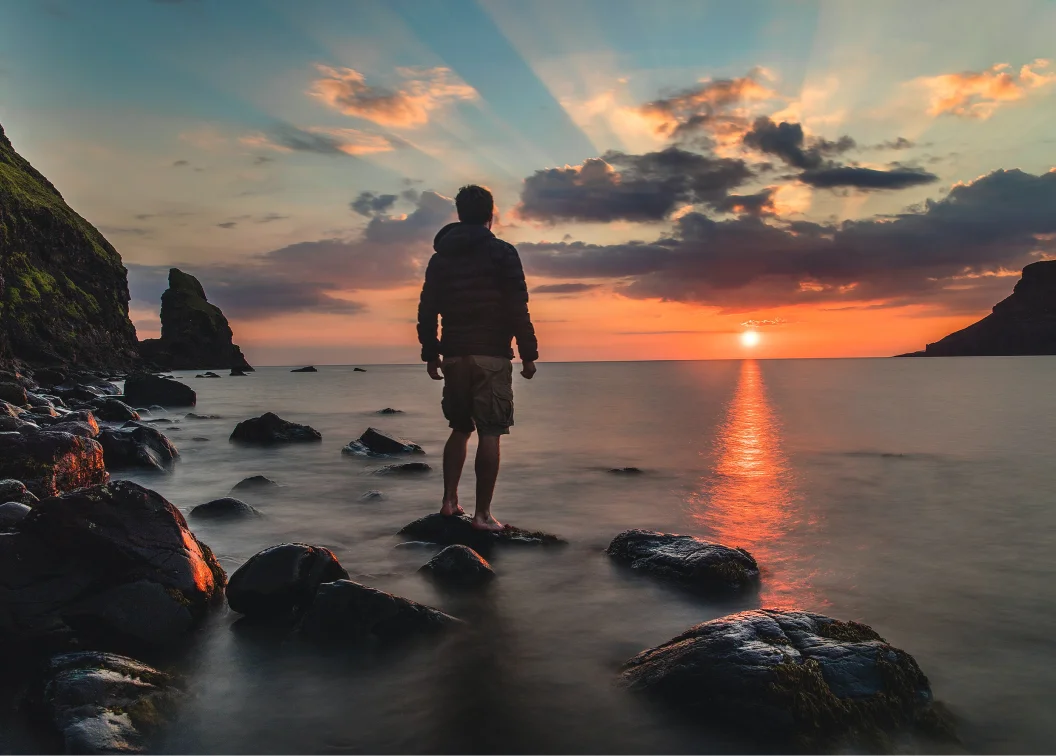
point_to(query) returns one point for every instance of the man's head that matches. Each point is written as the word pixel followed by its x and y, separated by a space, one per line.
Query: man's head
pixel 475 205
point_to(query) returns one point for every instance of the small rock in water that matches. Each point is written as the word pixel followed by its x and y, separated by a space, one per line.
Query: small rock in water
pixel 626 470
pixel 210 374
pixel 459 565
pixel 137 445
pixel 809 681
pixel 407 468
pixel 196 416
pixel 199 439
pixel 226 508
pixel 358 370
pixel 282 579
pixel 11 512
pixel 689 561
pixel 376 443
pixel 371 496
pixel 269 428
pixel 15 490
pixel 447 530
pixel 309 369
pixel 345 610
pixel 255 483
pixel 105 703
pixel 143 388
pixel 238 372
pixel 389 411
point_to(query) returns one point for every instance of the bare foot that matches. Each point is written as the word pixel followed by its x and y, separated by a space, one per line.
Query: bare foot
pixel 451 509
pixel 489 524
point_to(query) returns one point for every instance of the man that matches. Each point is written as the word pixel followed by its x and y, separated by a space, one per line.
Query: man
pixel 475 282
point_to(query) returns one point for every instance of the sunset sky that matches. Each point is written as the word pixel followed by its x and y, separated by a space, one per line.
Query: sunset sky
pixel 845 178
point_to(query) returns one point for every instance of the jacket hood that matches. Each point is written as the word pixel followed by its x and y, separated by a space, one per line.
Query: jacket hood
pixel 460 237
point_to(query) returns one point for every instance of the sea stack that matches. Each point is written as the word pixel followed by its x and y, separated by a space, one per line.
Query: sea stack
pixel 1022 324
pixel 195 334
pixel 63 289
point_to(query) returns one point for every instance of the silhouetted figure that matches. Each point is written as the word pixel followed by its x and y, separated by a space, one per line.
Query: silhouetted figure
pixel 475 283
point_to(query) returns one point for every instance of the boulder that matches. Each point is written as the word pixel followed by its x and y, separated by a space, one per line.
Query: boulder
pixel 210 374
pixel 11 512
pixel 358 370
pixel 14 393
pixel 309 369
pixel 390 411
pixel 113 566
pixel 447 530
pixel 75 428
pixel 376 443
pixel 626 470
pixel 226 508
pixel 459 565
pixel 105 703
pixel 49 376
pixel 36 400
pixel 144 389
pixel 50 462
pixel 345 611
pixel 195 335
pixel 15 490
pixel 282 580
pixel 82 417
pixel 238 373
pixel 406 468
pixel 371 496
pixel 255 483
pixel 804 679
pixel 690 562
pixel 17 424
pixel 269 428
pixel 114 410
pixel 137 445
pixel 196 416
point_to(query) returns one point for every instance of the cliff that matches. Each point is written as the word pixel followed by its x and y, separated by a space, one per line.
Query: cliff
pixel 195 335
pixel 1024 323
pixel 63 289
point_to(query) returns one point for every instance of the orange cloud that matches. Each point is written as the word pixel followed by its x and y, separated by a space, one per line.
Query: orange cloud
pixel 424 91
pixel 979 94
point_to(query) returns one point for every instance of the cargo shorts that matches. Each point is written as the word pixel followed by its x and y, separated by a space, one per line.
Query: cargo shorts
pixel 478 394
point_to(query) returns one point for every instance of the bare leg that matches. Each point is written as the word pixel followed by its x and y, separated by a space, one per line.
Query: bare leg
pixel 454 459
pixel 487 469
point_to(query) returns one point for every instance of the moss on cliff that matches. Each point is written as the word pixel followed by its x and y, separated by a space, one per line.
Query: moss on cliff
pixel 63 289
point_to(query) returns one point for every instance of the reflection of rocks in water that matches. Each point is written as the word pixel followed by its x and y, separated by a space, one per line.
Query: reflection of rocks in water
pixel 749 500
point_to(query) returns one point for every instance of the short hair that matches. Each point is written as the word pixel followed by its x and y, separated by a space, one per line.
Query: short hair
pixel 474 204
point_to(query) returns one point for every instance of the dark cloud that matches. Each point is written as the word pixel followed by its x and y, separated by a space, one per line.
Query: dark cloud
pixel 787 141
pixel 894 144
pixel 760 203
pixel 262 159
pixel 181 163
pixel 712 109
pixel 269 217
pixel 564 288
pixel 619 186
pixel 997 223
pixel 369 204
pixel 866 178
pixel 227 224
pixel 322 141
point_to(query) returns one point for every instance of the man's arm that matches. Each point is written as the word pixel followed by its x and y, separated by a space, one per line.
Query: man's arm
pixel 428 312
pixel 516 303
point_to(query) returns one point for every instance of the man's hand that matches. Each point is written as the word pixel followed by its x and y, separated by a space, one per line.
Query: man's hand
pixel 528 369
pixel 433 366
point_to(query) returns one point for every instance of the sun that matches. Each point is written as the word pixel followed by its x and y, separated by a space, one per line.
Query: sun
pixel 749 338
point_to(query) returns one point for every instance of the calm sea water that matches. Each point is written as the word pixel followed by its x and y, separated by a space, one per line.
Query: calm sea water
pixel 914 495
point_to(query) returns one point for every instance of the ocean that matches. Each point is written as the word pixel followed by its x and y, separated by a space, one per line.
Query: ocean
pixel 914 495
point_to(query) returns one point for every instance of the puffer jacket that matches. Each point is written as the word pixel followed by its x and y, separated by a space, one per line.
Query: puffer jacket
pixel 475 282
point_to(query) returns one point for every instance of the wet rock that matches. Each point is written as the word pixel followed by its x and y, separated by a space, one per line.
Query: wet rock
pixel 111 566
pixel 195 416
pixel 105 703
pixel 226 508
pixel 143 388
pixel 11 512
pixel 43 411
pixel 113 410
pixel 238 373
pixel 76 429
pixel 10 410
pixel 14 490
pixel 345 611
pixel 444 530
pixel 805 679
pixel 376 443
pixel 210 374
pixel 200 438
pixel 390 411
pixel 309 369
pixel 36 400
pixel 358 370
pixel 137 445
pixel 626 470
pixel 407 468
pixel 269 428
pixel 255 483
pixel 51 462
pixel 686 560
pixel 459 565
pixel 49 376
pixel 282 580
pixel 80 417
pixel 17 424
pixel 371 496
pixel 14 393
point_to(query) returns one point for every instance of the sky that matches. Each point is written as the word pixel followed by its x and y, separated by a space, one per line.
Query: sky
pixel 842 179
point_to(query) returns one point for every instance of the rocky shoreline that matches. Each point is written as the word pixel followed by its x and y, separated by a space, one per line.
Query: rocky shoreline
pixel 103 583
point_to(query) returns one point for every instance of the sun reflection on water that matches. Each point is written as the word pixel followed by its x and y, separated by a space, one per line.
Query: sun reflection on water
pixel 750 500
